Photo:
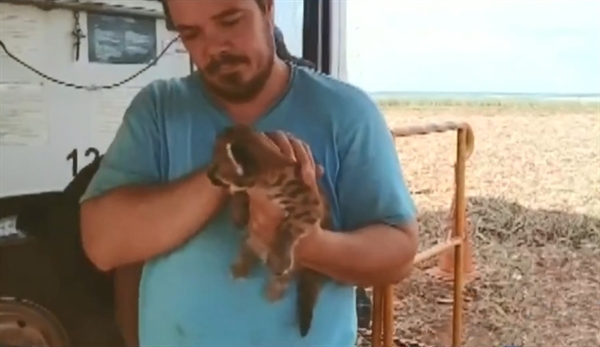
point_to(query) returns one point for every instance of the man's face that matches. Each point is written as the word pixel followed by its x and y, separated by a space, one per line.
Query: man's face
pixel 230 42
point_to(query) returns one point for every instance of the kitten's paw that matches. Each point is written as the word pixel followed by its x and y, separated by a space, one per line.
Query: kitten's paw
pixel 239 271
pixel 275 291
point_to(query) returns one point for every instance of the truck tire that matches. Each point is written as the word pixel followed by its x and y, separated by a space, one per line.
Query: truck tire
pixel 24 323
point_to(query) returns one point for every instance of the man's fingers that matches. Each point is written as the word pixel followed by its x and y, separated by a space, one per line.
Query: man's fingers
pixel 302 153
pixel 298 150
pixel 319 171
pixel 281 140
pixel 269 141
pixel 315 169
pixel 305 158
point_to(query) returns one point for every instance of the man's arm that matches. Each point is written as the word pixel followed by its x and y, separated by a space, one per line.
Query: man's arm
pixel 380 237
pixel 127 213
pixel 369 256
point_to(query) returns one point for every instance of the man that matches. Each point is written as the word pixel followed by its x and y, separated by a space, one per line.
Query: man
pixel 151 200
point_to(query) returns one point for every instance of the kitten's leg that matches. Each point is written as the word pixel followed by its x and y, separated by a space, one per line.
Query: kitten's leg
pixel 277 287
pixel 244 262
pixel 280 260
pixel 240 209
pixel 240 215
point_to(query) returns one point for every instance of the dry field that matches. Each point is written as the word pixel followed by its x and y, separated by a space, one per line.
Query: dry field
pixel 533 185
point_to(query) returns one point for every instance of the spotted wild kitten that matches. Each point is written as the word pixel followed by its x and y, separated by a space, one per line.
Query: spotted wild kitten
pixel 245 160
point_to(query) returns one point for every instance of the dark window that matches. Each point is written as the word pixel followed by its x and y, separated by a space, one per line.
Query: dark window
pixel 121 40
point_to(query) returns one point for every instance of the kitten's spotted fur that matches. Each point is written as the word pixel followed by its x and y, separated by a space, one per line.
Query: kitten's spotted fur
pixel 245 160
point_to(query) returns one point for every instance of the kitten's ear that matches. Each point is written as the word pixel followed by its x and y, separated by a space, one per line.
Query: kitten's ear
pixel 211 173
pixel 242 158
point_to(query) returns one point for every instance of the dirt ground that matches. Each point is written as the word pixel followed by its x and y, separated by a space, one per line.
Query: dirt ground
pixel 533 185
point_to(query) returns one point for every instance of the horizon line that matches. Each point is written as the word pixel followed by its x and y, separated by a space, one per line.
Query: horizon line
pixel 597 94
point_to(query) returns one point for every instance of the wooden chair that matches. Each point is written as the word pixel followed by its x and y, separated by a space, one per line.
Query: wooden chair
pixel 384 329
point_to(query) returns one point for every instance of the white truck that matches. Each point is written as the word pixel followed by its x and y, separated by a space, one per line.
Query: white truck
pixel 68 70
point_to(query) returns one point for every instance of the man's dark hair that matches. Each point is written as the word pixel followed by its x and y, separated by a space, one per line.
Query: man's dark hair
pixel 262 4
pixel 284 54
pixel 280 47
pixel 168 21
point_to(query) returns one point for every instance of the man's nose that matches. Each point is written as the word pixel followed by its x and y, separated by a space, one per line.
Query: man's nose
pixel 216 42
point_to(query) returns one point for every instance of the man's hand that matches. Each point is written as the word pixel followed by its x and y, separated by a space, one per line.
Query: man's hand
pixel 265 216
pixel 298 151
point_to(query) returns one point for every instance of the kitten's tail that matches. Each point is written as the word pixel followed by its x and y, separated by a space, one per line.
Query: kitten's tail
pixel 309 286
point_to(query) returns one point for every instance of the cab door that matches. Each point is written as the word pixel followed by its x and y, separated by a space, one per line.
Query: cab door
pixel 324 35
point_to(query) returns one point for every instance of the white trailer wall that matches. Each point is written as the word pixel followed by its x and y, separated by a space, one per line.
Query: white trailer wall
pixel 41 122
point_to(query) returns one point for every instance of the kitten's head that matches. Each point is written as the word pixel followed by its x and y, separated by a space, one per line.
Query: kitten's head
pixel 241 155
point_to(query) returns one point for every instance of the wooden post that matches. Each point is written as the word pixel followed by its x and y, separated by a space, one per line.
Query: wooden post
pixel 460 233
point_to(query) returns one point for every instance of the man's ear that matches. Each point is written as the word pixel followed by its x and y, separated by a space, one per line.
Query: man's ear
pixel 269 11
pixel 269 6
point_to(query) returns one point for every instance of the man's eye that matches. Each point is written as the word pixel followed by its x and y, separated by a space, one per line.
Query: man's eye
pixel 188 34
pixel 188 37
pixel 228 22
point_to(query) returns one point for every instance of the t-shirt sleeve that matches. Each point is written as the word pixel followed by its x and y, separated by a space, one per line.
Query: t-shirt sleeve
pixel 371 188
pixel 133 156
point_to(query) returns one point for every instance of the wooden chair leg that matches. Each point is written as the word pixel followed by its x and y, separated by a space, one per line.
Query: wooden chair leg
pixel 377 321
pixel 127 283
pixel 389 329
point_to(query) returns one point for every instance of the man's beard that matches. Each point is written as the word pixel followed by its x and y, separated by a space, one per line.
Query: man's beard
pixel 235 90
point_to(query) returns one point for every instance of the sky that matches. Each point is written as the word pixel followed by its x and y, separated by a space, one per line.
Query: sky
pixel 510 46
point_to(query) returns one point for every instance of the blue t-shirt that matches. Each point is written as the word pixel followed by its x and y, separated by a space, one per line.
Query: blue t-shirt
pixel 187 297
